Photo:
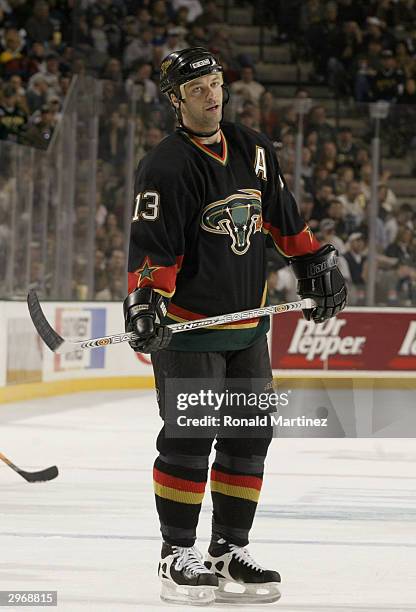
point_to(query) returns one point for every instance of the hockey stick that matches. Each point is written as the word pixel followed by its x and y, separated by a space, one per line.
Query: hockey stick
pixel 59 345
pixel 48 474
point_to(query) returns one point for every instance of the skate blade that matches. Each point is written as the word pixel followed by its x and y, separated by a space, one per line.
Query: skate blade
pixel 182 594
pixel 247 593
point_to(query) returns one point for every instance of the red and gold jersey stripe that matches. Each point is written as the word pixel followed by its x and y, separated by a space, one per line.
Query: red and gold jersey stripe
pixel 161 278
pixel 298 244
pixel 223 158
pixel 182 315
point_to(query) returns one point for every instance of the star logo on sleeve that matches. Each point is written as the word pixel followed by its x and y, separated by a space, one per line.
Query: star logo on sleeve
pixel 147 270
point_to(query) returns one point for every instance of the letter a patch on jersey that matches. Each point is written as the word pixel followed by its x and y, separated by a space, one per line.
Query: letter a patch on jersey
pixel 260 167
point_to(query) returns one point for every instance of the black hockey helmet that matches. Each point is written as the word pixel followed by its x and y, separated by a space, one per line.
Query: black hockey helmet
pixel 179 67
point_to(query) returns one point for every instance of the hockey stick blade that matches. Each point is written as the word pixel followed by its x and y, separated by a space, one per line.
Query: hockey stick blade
pixel 50 337
pixel 59 345
pixel 41 476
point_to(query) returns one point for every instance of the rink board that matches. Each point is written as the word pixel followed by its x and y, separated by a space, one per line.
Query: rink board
pixel 360 348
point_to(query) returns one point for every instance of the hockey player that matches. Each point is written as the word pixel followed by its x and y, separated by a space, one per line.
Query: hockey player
pixel 205 199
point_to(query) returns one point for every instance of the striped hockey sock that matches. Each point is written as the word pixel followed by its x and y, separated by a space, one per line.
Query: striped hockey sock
pixel 179 491
pixel 235 495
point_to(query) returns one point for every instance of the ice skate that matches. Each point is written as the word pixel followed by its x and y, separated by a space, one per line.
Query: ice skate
pixel 184 577
pixel 241 579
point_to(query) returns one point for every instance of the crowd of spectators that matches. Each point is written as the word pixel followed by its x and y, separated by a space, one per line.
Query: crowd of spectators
pixel 362 49
pixel 335 197
pixel 121 43
pixel 35 69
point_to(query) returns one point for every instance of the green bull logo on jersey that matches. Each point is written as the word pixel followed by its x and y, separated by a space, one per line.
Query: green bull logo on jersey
pixel 239 216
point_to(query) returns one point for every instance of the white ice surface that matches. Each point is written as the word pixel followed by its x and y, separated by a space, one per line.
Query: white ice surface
pixel 337 517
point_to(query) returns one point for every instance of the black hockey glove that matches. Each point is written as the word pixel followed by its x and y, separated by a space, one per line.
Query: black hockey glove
pixel 144 309
pixel 320 279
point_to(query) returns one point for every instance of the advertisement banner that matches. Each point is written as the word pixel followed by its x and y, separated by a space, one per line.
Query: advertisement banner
pixel 367 340
pixel 77 323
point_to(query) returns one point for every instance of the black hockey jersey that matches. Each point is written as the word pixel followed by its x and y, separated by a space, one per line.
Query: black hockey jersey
pixel 198 231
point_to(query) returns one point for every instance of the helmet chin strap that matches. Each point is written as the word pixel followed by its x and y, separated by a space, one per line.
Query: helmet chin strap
pixel 183 128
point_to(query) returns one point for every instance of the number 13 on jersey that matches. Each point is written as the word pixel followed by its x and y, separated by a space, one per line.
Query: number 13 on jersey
pixel 147 206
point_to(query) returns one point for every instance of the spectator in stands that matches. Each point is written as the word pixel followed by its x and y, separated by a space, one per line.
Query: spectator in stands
pixel 83 39
pixel 352 43
pixel 321 176
pixel 194 8
pixel 306 208
pixel 388 82
pixel 312 144
pixel 337 213
pixel 307 169
pixel 327 235
pixel 356 268
pixel 99 36
pixel 247 88
pixel 40 132
pixel 39 26
pixel 117 288
pixel 387 199
pixel 317 122
pixel 281 282
pixel 13 118
pixel 112 96
pixel 325 40
pixel 409 96
pixel 403 248
pixel 117 264
pixel 223 46
pixel 112 71
pixel 345 174
pixel 181 17
pixel 328 157
pixel 139 49
pixel 15 82
pixel 365 182
pixel 112 138
pixel 311 14
pixel 353 201
pixel 249 120
pixel 101 280
pixel 173 42
pixel 209 17
pixel 152 136
pixel 160 13
pixel 347 149
pixel 342 63
pixel 403 218
pixel 376 31
pixel 198 37
pixel 146 89
pixel 323 197
pixel 52 72
pixel 381 241
pixel 37 92
pixel 13 46
pixel 113 12
pixel 405 62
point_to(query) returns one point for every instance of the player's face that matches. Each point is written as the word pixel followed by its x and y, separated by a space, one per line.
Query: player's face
pixel 202 108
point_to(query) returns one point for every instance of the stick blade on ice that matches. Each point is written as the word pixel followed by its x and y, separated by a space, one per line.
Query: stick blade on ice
pixel 42 476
